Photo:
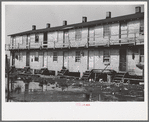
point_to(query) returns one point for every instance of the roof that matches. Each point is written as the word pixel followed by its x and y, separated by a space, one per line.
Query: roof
pixel 85 24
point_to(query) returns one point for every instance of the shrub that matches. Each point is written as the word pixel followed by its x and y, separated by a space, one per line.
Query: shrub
pixel 18 89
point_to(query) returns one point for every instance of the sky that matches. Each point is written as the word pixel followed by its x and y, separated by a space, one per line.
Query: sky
pixel 19 18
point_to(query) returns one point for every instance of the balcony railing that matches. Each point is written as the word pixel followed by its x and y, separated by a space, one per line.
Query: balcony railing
pixel 96 41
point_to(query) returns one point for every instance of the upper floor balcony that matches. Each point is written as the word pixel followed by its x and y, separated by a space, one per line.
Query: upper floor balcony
pixel 117 39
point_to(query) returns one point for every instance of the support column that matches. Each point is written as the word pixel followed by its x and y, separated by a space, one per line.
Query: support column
pixel 88 50
pixel 63 58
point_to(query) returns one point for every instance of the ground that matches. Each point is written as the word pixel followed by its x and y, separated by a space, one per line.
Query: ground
pixel 78 90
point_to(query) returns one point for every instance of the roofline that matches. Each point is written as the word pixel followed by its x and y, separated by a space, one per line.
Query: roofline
pixel 85 24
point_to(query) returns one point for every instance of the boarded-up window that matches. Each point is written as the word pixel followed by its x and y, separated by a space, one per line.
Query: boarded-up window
pixel 106 56
pixel 54 56
pixel 91 34
pixel 142 27
pixel 24 39
pixel 78 35
pixel 98 32
pixel 36 56
pixel 66 37
pixel 36 39
pixel 106 31
pixel 60 36
pixel 78 56
pixel 133 27
pixel 20 40
pixel 141 55
pixel 28 39
pixel 123 29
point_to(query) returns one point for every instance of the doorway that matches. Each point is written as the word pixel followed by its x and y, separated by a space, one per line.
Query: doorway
pixel 122 65
pixel 27 58
pixel 66 60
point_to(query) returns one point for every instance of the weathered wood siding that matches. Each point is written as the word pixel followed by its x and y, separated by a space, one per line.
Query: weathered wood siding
pixel 20 62
pixel 131 67
pixel 133 28
pixel 55 65
pixel 36 64
pixel 84 36
pixel 114 33
pixel 99 34
pixel 52 37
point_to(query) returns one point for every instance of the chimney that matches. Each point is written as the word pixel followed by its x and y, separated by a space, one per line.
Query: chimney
pixel 33 27
pixel 138 9
pixel 48 25
pixel 108 14
pixel 64 22
pixel 84 19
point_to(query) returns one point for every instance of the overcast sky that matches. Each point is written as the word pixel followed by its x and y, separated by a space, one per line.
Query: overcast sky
pixel 19 18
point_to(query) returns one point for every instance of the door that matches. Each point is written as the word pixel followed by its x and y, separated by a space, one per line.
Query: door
pixel 91 59
pixel 45 59
pixel 122 65
pixel 27 58
pixel 66 61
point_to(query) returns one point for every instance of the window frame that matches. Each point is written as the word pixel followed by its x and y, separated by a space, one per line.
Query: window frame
pixel 36 38
pixel 141 27
pixel 78 56
pixel 55 57
pixel 141 55
pixel 36 57
pixel 106 56
pixel 106 31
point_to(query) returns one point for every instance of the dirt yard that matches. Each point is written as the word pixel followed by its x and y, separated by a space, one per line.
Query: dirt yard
pixel 63 90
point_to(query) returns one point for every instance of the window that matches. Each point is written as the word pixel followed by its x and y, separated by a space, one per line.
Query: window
pixel 124 29
pixel 142 27
pixel 106 56
pixel 54 56
pixel 45 38
pixel 141 55
pixel 36 39
pixel 78 56
pixel 36 56
pixel 106 31
pixel 78 34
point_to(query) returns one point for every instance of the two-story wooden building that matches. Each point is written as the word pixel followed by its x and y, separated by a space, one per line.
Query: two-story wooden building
pixel 117 41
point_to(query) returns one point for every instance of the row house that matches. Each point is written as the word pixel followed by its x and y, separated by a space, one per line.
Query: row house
pixel 117 42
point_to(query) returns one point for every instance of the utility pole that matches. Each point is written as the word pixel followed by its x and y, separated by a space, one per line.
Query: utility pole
pixel 7 65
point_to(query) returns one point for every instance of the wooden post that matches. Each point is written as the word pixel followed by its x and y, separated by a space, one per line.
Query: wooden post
pixel 99 97
pixel 7 78
pixel 95 77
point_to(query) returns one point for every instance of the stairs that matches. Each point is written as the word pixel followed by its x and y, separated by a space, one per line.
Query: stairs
pixel 119 77
pixel 63 72
pixel 86 75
